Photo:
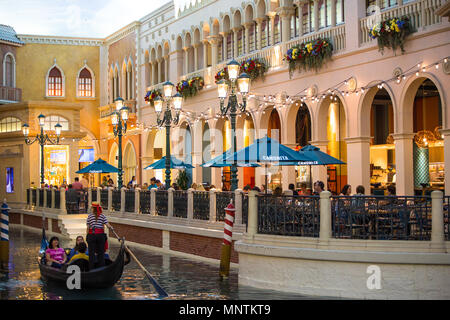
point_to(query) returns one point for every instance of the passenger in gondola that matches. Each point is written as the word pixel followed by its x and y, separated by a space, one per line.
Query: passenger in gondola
pixel 75 250
pixel 96 237
pixel 81 253
pixel 55 255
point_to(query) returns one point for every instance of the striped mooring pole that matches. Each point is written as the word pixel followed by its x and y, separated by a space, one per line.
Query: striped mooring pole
pixel 4 240
pixel 226 245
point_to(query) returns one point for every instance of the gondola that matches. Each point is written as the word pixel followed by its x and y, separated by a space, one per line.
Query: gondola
pixel 103 277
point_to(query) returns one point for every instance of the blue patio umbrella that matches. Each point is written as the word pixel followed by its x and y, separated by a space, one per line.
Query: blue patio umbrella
pixel 267 150
pixel 174 164
pixel 98 166
pixel 219 162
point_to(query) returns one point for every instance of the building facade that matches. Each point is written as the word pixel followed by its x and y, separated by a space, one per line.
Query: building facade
pixel 384 114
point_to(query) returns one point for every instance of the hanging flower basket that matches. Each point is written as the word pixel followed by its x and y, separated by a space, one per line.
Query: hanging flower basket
pixel 190 87
pixel 391 33
pixel 309 56
pixel 151 96
pixel 255 68
pixel 222 74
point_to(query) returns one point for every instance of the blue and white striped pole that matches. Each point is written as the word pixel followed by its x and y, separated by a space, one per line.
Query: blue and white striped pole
pixel 4 239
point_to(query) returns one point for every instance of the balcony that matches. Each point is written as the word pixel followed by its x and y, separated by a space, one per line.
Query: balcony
pixel 107 110
pixel 10 95
pixel 420 13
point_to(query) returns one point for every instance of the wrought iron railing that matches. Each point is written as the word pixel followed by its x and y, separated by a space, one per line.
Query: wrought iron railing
pixel 94 195
pixel 116 200
pixel 381 217
pixel 161 199
pixel 129 200
pixel 180 200
pixel 446 217
pixel 76 201
pixel 104 199
pixel 49 198
pixel 41 197
pixel 144 202
pixel 245 209
pixel 222 201
pixel 28 197
pixel 289 215
pixel 201 205
pixel 57 199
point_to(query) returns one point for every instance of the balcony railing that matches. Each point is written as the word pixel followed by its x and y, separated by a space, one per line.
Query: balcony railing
pixel 10 94
pixel 421 14
pixel 106 111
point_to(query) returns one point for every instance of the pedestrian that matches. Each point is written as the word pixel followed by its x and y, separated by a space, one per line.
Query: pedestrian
pixel 303 190
pixel 278 192
pixel 77 184
pixel 160 185
pixel 292 188
pixel 96 237
pixel 346 190
pixel 133 181
pixel 153 184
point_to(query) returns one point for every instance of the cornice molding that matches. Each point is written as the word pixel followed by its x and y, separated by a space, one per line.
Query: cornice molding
pixel 122 33
pixel 60 40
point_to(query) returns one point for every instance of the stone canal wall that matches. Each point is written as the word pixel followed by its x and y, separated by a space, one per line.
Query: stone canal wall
pixel 195 239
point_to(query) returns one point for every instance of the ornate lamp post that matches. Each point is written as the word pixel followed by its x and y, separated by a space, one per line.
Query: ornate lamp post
pixel 41 138
pixel 168 119
pixel 243 82
pixel 119 120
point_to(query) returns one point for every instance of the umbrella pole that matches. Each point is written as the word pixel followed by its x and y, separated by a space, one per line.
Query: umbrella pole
pixel 265 189
pixel 310 180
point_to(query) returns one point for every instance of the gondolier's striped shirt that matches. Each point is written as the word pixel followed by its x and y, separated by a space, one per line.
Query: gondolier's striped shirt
pixel 99 224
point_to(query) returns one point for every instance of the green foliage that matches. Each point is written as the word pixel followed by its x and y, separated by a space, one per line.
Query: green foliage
pixel 183 179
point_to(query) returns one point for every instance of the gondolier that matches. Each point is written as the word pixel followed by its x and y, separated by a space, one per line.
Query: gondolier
pixel 96 236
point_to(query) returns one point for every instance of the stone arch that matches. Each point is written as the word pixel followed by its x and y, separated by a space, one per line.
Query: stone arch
pixel 322 114
pixel 226 23
pixel 261 9
pixel 187 40
pixel 129 162
pixel 249 13
pixel 365 105
pixel 237 18
pixel 291 120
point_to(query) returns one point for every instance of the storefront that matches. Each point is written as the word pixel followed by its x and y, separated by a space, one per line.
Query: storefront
pixel 56 164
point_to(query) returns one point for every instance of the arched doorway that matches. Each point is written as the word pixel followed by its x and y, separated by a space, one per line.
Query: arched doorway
pixel 129 163
pixel 382 148
pixel 428 146
pixel 249 137
pixel 113 160
pixel 206 153
pixel 274 132
pixel 302 138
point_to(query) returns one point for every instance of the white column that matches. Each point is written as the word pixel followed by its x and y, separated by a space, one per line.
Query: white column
pixel 258 43
pixel 214 50
pixel 285 15
pixel 170 202
pixel 325 217
pixel 137 200
pixel 252 226
pixel 235 42
pixel 166 68
pixel 110 189
pixel 190 204
pixel 212 205
pixel 247 37
pixel 359 162
pixel 159 70
pixel 238 206
pixel 225 46
pixel 437 221
pixel 316 15
pixel 404 169
pixel 272 29
pixel 195 46
pixel 154 73
pixel 186 60
pixel 122 199
pixel 446 134
pixel 153 201
pixel 300 20
pixel 62 201
pixel 333 13
pixel 205 54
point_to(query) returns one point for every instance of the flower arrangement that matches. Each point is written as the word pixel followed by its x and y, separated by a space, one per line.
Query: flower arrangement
pixel 151 95
pixel 309 56
pixel 255 68
pixel 190 87
pixel 391 33
pixel 222 74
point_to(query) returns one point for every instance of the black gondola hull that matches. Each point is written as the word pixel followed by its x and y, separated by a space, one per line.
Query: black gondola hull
pixel 98 278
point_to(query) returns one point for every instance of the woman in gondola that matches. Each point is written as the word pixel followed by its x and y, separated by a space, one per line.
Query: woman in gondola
pixel 96 237
pixel 55 255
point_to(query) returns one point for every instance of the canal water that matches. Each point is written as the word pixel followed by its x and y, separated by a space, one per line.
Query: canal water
pixel 182 278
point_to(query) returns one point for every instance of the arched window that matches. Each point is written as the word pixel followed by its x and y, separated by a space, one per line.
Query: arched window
pixel 10 124
pixel 55 83
pixel 85 83
pixel 9 71
pixel 51 121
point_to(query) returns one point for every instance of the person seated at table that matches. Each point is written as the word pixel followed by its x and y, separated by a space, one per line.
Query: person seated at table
pixel 55 255
pixel 255 188
pixel 75 250
pixel 359 201
pixel 303 190
pixel 391 190
pixel 292 188
pixel 278 192
pixel 318 187
pixel 82 248
pixel 247 188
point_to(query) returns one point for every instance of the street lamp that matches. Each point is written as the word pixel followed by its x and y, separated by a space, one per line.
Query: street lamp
pixel 119 120
pixel 243 83
pixel 167 118
pixel 41 138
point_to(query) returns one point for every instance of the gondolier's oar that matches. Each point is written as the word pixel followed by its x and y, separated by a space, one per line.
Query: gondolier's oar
pixel 162 293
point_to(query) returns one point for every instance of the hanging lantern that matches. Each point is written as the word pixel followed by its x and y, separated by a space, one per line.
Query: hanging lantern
pixel 437 133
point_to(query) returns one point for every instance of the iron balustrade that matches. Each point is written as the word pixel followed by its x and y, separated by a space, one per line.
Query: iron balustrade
pixel 104 199
pixel 381 217
pixel 245 209
pixel 94 195
pixel 446 217
pixel 57 199
pixel 289 215
pixel 201 205
pixel 33 197
pixel 28 197
pixel 129 200
pixel 49 198
pixel 222 201
pixel 180 200
pixel 41 197
pixel 76 201
pixel 144 201
pixel 116 200
pixel 161 199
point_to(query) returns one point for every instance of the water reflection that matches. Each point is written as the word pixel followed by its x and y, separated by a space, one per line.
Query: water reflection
pixel 181 278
